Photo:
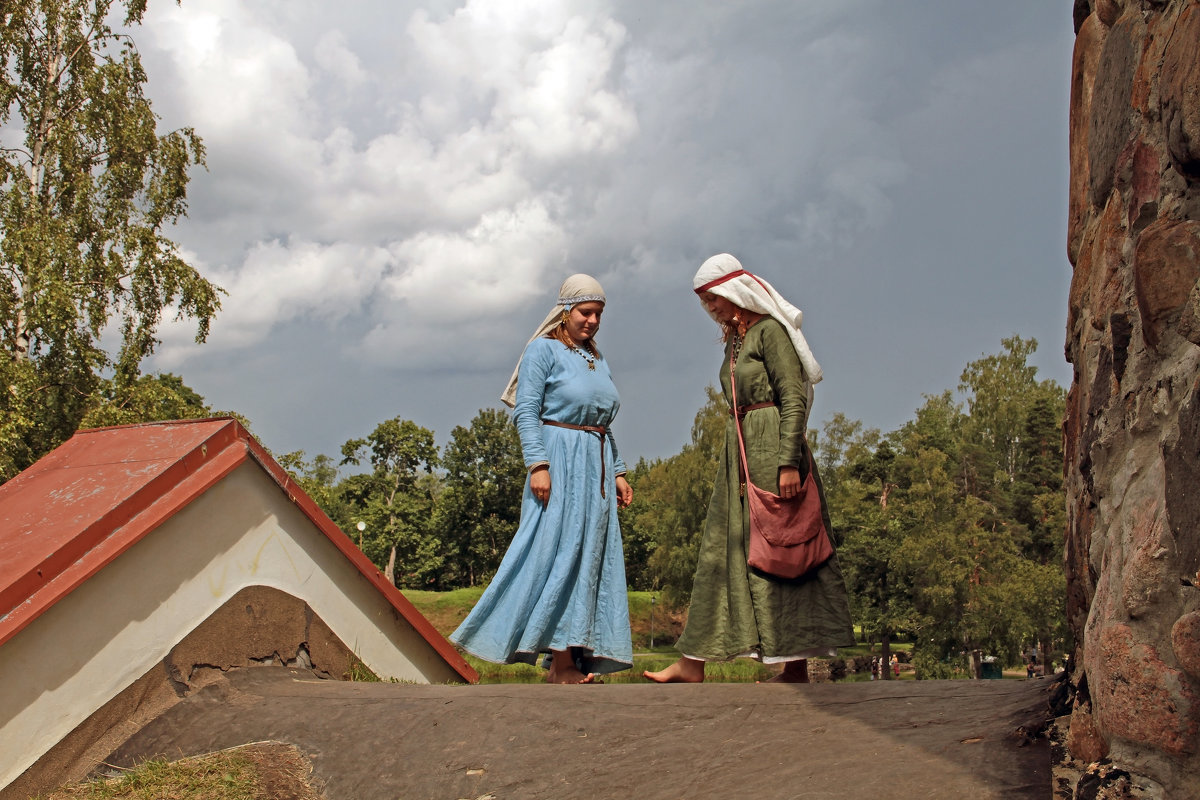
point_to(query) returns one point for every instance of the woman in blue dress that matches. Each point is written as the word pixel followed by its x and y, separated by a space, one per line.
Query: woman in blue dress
pixel 561 586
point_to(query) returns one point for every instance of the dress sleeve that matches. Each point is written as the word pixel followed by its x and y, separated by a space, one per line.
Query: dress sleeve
pixel 618 464
pixel 536 365
pixel 790 386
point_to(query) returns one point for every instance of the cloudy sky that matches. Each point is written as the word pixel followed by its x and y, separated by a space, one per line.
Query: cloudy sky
pixel 395 191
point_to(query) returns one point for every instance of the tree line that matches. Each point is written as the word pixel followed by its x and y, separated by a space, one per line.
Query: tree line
pixel 949 529
pixel 429 519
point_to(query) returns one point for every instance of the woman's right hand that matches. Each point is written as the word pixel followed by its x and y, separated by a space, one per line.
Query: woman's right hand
pixel 539 482
pixel 789 482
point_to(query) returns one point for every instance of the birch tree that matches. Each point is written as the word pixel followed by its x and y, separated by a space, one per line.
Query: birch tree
pixel 88 188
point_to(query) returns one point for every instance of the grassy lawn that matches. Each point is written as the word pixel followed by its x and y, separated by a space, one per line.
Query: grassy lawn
pixel 445 610
pixel 743 670
pixel 648 622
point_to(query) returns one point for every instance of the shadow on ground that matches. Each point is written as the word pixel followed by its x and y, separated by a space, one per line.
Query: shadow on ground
pixel 927 739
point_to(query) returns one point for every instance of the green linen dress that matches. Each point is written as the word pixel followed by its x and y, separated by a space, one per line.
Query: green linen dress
pixel 736 610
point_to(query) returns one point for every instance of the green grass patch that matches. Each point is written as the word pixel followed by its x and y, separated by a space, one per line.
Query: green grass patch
pixel 261 771
pixel 218 776
pixel 647 620
pixel 742 670
pixel 445 610
pixel 650 623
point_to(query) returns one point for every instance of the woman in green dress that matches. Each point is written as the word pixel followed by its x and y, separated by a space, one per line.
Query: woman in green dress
pixel 737 610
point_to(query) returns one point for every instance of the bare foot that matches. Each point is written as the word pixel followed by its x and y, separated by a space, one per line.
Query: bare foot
pixel 685 670
pixel 563 669
pixel 793 672
pixel 571 675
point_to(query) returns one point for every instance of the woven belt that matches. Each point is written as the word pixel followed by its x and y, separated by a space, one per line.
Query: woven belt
pixel 599 430
pixel 745 409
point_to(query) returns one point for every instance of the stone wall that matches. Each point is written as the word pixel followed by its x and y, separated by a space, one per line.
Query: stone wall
pixel 1132 429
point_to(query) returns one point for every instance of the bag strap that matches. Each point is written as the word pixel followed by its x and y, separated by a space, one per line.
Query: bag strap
pixel 737 417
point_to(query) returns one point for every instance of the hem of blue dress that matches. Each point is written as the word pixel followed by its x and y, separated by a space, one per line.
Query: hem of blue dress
pixel 600 664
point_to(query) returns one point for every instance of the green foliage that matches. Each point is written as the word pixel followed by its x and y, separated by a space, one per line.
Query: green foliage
pixel 841 441
pixel 638 540
pixel 394 501
pixel 425 527
pixel 931 668
pixel 1011 416
pixel 319 480
pixel 865 531
pixel 360 672
pixel 87 187
pixel 149 398
pixel 479 508
pixel 671 502
pixel 951 528
pixel 961 565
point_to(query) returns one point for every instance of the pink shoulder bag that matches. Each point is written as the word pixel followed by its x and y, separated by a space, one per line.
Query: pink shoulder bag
pixel 787 536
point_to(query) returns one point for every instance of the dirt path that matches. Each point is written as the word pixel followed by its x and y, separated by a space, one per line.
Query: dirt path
pixel 895 739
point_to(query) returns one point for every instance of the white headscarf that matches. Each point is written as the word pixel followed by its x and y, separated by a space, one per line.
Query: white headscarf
pixel 724 276
pixel 578 288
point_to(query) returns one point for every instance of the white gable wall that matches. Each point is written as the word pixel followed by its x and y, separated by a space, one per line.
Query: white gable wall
pixel 117 625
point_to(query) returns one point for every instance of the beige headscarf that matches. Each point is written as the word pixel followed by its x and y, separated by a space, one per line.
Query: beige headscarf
pixel 578 288
pixel 724 276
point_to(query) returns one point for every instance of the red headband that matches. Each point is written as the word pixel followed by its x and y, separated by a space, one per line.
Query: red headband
pixel 721 280
pixel 730 277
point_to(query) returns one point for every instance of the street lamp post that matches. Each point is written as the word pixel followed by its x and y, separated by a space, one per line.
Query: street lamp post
pixel 651 622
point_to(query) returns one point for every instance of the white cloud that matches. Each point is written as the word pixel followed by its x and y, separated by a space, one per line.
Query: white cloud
pixel 462 190
pixel 279 282
pixel 495 265
pixel 335 57
pixel 239 78
pixel 545 68
pixel 451 285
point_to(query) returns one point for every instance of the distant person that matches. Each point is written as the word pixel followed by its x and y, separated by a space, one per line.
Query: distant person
pixel 736 610
pixel 561 586
pixel 896 665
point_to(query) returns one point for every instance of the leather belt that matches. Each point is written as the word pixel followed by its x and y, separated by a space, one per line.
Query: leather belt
pixel 745 409
pixel 599 430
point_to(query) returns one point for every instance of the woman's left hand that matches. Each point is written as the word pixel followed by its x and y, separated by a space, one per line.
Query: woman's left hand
pixel 789 482
pixel 624 492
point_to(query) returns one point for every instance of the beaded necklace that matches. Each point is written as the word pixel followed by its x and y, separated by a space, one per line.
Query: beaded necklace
pixel 588 357
pixel 736 349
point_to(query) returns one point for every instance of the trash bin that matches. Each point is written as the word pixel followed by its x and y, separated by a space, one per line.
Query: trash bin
pixel 990 669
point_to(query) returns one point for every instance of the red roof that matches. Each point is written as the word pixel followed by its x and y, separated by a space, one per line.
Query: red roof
pixel 81 506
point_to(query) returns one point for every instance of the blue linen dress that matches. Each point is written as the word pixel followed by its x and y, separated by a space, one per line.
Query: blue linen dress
pixel 562 581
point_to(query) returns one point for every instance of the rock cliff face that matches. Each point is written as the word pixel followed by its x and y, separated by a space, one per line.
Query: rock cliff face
pixel 1132 429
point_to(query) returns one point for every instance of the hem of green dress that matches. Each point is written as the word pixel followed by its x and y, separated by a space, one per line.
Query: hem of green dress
pixel 812 652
